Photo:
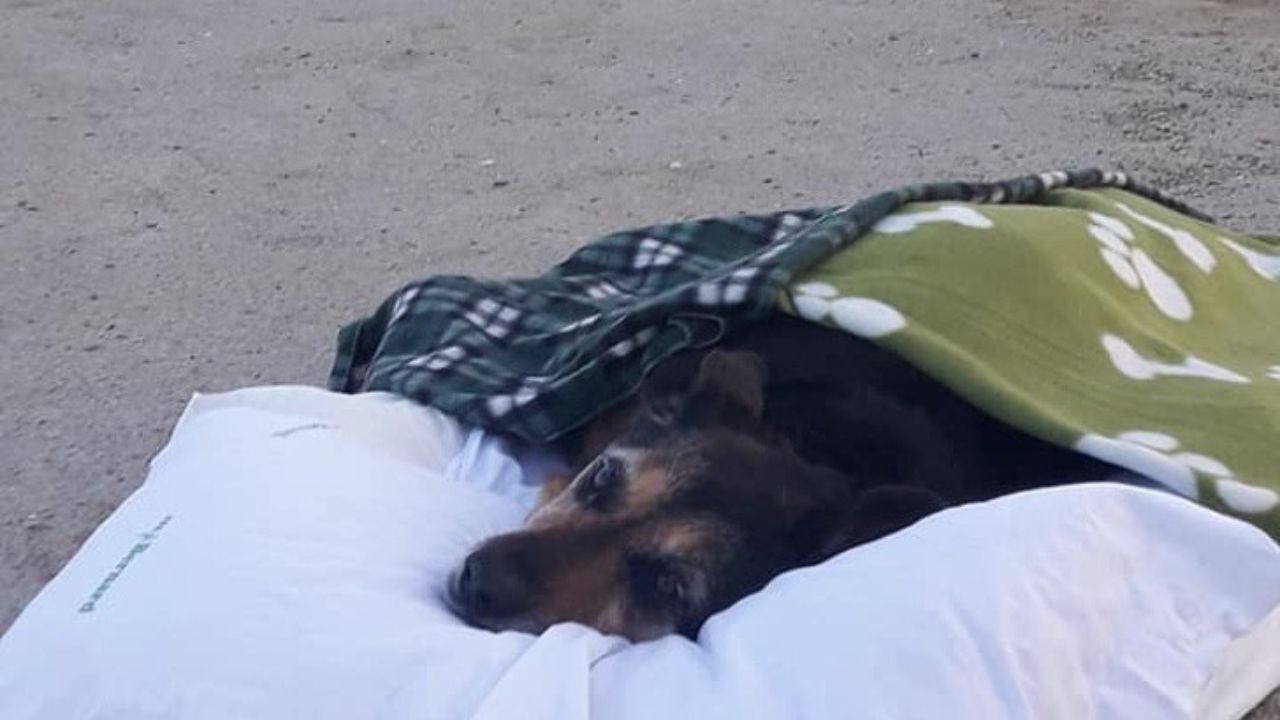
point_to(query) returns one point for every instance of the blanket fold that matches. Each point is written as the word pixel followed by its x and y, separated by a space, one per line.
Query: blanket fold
pixel 1082 307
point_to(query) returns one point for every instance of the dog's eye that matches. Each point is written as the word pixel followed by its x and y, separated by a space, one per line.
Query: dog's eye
pixel 601 483
pixel 657 581
pixel 671 585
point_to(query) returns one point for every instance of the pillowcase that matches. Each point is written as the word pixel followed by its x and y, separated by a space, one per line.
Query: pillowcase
pixel 285 558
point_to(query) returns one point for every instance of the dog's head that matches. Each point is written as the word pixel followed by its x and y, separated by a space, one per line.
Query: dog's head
pixel 692 507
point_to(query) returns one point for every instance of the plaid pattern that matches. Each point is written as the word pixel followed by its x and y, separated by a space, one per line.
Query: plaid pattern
pixel 538 357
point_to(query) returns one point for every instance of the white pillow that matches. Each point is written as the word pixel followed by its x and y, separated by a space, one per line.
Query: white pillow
pixel 285 555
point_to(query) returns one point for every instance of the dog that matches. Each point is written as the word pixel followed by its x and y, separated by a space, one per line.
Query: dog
pixel 784 445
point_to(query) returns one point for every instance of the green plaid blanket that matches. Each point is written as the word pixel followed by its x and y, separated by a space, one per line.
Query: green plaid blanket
pixel 1080 306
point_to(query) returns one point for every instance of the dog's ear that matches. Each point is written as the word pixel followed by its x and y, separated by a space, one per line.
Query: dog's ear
pixel 736 376
pixel 828 529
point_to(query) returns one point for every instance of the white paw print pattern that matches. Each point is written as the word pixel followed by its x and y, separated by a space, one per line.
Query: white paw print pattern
pixel 1156 455
pixel 899 223
pixel 1135 267
pixel 1189 245
pixel 1268 266
pixel 1132 365
pixel 861 316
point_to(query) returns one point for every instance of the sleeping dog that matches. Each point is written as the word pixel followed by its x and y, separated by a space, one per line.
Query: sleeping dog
pixel 781 447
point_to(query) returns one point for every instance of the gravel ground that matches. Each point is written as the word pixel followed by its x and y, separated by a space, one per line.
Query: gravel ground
pixel 195 195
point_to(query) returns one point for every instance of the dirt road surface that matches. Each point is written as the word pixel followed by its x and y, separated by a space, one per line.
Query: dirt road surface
pixel 195 195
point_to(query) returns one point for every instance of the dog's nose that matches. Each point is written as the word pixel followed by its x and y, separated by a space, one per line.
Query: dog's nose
pixel 492 584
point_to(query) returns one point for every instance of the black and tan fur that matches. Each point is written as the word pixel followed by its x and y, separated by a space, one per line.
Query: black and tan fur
pixel 784 446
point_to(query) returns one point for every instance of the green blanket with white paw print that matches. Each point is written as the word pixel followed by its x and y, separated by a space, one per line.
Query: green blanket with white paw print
pixel 1083 307
pixel 1098 319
